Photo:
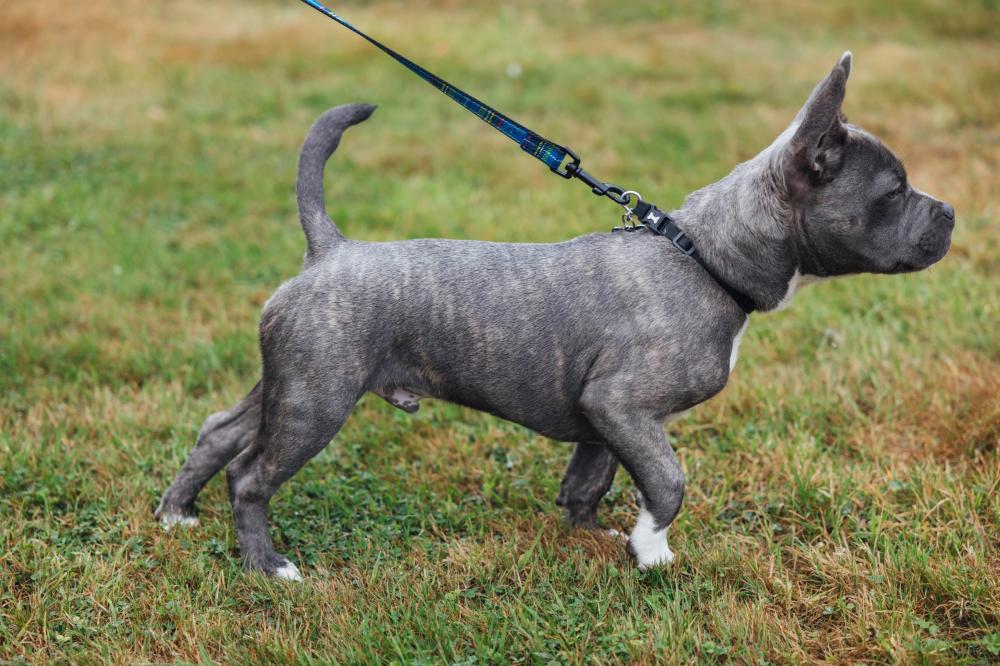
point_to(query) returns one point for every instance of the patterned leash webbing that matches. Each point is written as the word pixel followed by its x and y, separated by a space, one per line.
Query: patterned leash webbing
pixel 551 154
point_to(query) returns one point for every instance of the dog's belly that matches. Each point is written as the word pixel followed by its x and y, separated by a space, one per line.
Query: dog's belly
pixel 540 400
pixel 559 424
pixel 555 423
pixel 563 427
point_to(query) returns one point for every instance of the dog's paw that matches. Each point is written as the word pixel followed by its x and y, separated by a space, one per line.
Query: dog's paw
pixel 581 516
pixel 647 558
pixel 647 544
pixel 170 519
pixel 288 571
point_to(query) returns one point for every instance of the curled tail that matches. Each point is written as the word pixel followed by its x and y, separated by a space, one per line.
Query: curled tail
pixel 322 140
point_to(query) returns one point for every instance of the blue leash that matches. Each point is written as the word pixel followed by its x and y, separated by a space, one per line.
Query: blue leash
pixel 549 153
pixel 553 155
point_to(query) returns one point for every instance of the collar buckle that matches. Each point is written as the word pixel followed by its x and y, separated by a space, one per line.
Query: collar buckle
pixel 662 224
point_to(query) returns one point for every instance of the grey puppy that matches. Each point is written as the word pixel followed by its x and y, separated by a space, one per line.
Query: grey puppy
pixel 597 340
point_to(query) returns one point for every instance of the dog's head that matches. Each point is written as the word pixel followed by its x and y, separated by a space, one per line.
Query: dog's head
pixel 853 210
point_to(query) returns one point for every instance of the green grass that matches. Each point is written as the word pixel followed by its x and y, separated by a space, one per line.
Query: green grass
pixel 843 493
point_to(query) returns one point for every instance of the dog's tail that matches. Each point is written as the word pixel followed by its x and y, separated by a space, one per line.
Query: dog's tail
pixel 324 136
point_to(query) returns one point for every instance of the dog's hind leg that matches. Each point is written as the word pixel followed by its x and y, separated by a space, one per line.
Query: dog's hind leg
pixel 223 435
pixel 588 478
pixel 299 420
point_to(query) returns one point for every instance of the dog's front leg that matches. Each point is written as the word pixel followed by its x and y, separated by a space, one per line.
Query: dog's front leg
pixel 588 478
pixel 635 436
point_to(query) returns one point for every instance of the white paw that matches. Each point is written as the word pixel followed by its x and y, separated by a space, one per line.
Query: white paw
pixel 288 571
pixel 171 519
pixel 615 534
pixel 666 557
pixel 648 544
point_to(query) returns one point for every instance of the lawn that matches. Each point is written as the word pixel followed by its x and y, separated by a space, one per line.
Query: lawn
pixel 843 501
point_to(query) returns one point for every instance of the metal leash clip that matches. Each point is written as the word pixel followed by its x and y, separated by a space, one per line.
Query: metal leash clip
pixel 627 217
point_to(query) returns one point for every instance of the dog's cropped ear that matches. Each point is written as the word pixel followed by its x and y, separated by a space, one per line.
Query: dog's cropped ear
pixel 816 149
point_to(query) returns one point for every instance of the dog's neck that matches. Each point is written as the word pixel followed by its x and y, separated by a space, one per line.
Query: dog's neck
pixel 745 232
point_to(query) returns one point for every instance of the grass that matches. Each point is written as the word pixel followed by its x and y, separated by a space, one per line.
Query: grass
pixel 843 502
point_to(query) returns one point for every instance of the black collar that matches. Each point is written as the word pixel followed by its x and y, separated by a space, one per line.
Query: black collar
pixel 662 224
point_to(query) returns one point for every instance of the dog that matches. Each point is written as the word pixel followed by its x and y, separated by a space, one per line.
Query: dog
pixel 598 340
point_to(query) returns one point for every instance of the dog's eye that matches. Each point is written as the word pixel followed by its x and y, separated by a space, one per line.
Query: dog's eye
pixel 896 192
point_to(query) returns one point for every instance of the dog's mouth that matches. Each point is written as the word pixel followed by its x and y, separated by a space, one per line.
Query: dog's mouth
pixel 912 267
pixel 931 251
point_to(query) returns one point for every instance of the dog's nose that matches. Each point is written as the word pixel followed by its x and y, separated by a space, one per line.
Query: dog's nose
pixel 948 210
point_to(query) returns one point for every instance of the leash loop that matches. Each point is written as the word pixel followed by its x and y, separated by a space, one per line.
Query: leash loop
pixel 627 217
pixel 627 195
pixel 570 168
